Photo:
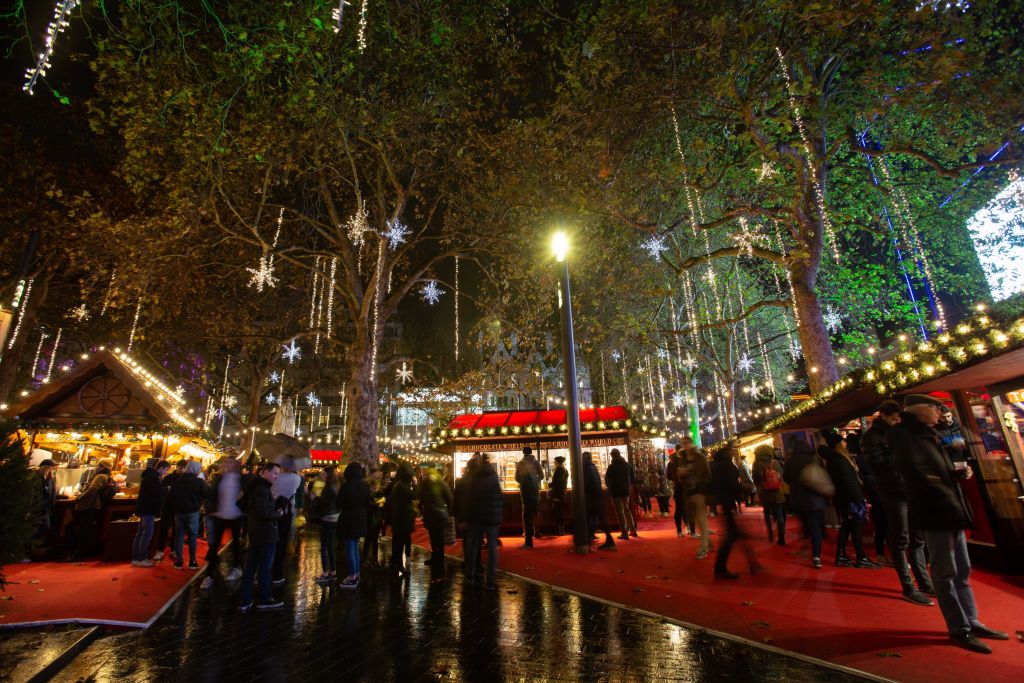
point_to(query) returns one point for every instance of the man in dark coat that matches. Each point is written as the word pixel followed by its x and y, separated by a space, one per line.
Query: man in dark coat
pixel 938 508
pixel 353 504
pixel 596 516
pixel 906 543
pixel 485 508
pixel 166 530
pixel 147 507
pixel 187 496
pixel 529 476
pixel 620 479
pixel 725 487
pixel 402 515
pixel 43 496
pixel 556 493
pixel 263 515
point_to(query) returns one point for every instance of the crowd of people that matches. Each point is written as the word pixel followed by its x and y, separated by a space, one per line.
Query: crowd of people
pixel 901 475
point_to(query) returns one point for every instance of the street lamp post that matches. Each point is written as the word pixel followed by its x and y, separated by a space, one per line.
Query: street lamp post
pixel 581 534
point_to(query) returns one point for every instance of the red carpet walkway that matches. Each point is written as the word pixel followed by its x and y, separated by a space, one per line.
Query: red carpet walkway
pixel 851 617
pixel 90 592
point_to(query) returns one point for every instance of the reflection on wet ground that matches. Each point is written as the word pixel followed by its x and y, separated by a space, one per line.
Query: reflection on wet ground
pixel 406 630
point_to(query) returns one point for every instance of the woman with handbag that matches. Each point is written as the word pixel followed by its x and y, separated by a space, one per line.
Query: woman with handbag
pixel 849 500
pixel 809 484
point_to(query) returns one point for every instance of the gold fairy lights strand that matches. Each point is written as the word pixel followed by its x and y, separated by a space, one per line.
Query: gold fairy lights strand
pixel 21 313
pixel 376 311
pixel 911 236
pixel 61 16
pixel 223 397
pixel 364 11
pixel 330 297
pixel 818 192
pixel 110 290
pixel 43 336
pixel 778 288
pixel 135 323
pixel 457 315
pixel 53 356
pixel 766 365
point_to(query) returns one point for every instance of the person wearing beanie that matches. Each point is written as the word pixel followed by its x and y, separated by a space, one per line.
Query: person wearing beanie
pixel 147 507
pixel 937 507
pixel 187 496
pixel 767 475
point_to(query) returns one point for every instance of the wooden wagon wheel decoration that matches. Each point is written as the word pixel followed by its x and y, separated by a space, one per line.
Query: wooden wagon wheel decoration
pixel 104 396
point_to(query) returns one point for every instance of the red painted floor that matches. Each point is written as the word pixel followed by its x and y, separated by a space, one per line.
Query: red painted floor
pixel 90 592
pixel 852 617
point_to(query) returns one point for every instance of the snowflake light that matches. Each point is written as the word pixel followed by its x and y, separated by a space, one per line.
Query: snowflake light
pixel 677 400
pixel 358 225
pixel 79 313
pixel 797 349
pixel 745 363
pixel 755 391
pixel 703 403
pixel 230 401
pixel 262 274
pixel 275 377
pixel 404 374
pixel 690 363
pixel 655 245
pixel 767 172
pixel 833 321
pixel 61 15
pixel 292 352
pixel 396 233
pixel 662 354
pixel 709 429
pixel 312 400
pixel 271 399
pixel 431 293
pixel 616 356
pixel 179 392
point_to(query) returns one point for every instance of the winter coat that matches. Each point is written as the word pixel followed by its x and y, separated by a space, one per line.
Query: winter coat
pixel 619 477
pixel 591 485
pixel 436 499
pixel 326 503
pixel 529 476
pixel 166 483
pixel 353 503
pixel 801 498
pixel 559 482
pixel 936 502
pixel 698 472
pixel 460 497
pixel 401 512
pixel 725 480
pixel 90 498
pixel 263 515
pixel 151 493
pixel 188 494
pixel 762 463
pixel 881 459
pixel 44 493
pixel 848 486
pixel 486 502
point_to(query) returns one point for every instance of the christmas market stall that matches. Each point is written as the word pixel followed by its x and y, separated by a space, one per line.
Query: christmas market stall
pixel 108 407
pixel 503 435
pixel 977 369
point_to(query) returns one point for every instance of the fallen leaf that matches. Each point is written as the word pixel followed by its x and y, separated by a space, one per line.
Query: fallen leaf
pixel 115 578
pixel 6 597
pixel 638 589
pixel 40 589
pixel 529 569
pixel 766 640
pixel 888 654
pixel 34 581
pixel 761 624
pixel 748 603
pixel 651 576
pixel 144 594
pixel 620 571
pixel 1020 636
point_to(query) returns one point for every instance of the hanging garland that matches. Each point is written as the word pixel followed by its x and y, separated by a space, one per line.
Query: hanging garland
pixel 53 356
pixel 61 17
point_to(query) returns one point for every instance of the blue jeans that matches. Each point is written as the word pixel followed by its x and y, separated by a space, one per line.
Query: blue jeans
pixel 474 538
pixel 261 558
pixel 951 569
pixel 186 524
pixel 350 551
pixel 143 537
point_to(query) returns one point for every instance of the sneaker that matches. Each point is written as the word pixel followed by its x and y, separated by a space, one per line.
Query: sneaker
pixel 918 598
pixel 158 556
pixel 623 537
pixel 323 578
pixel 193 565
pixel 701 554
pixel 607 545
pixel 278 582
pixel 178 565
pixel 207 583
pixel 968 642
pixel 725 574
pixel 867 563
pixel 634 534
pixel 527 546
pixel 235 574
pixel 693 534
pixel 929 591
pixel 679 534
pixel 350 582
pixel 982 631
pixel 245 606
pixel 145 563
pixel 273 604
pixel 844 561
pixel 816 562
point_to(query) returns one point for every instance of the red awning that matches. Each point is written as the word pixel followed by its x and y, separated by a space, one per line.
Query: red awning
pixel 522 418
pixel 325 455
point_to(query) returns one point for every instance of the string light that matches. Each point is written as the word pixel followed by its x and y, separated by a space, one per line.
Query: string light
pixel 223 396
pixel 43 335
pixel 812 166
pixel 79 313
pixel 364 10
pixel 53 355
pixel 431 293
pixel 21 313
pixel 767 366
pixel 330 297
pixel 457 311
pixel 60 21
pixel 135 324
pixel 767 172
pixel 263 273
pixel 337 14
pixel 404 374
pixel 376 311
pixel 110 290
pixel 292 353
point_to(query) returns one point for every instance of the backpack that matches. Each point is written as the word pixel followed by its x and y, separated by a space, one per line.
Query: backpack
pixel 772 479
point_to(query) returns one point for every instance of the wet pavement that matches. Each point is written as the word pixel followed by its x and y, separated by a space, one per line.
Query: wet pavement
pixel 411 630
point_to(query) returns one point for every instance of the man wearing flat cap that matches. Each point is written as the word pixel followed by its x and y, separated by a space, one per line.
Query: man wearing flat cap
pixel 938 508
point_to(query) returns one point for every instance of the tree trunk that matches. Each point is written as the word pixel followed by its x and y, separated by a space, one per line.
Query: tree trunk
pixel 361 422
pixel 819 361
